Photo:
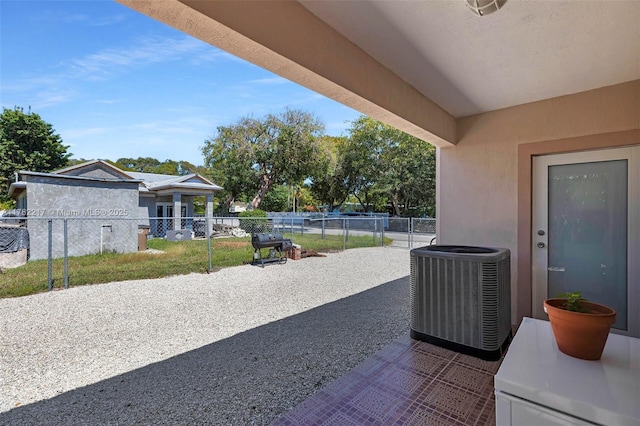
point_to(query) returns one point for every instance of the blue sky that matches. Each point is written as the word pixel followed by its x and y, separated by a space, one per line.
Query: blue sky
pixel 114 83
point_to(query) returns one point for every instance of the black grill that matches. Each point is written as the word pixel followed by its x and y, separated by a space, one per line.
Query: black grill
pixel 277 245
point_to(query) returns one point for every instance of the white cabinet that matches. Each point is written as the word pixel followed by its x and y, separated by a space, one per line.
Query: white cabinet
pixel 515 411
pixel 539 385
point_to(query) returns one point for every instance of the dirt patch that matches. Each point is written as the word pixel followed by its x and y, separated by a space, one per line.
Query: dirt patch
pixel 232 244
pixel 311 253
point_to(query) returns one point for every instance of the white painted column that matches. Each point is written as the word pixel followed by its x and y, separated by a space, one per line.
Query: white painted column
pixel 209 206
pixel 209 210
pixel 177 208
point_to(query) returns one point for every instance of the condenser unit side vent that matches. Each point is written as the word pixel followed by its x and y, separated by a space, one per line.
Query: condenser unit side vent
pixel 461 300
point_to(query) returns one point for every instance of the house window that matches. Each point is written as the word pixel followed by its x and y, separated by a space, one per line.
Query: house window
pixel 21 203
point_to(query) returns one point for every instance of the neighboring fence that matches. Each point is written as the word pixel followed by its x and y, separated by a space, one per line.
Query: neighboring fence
pixel 62 238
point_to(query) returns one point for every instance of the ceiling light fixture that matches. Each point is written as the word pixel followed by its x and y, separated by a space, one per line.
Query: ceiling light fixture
pixel 485 7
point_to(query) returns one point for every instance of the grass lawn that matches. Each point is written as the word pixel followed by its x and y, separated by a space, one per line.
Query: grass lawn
pixel 177 258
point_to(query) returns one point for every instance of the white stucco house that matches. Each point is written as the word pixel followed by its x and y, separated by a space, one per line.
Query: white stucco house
pixel 104 206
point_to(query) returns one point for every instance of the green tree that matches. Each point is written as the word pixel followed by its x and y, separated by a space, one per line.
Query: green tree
pixel 385 166
pixel 328 185
pixel 277 199
pixel 305 201
pixel 140 164
pixel 228 161
pixel 170 167
pixel 152 165
pixel 179 168
pixel 254 155
pixel 166 167
pixel 410 175
pixel 363 167
pixel 75 161
pixel 27 142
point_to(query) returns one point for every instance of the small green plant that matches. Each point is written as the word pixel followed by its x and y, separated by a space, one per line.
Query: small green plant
pixel 6 204
pixel 574 302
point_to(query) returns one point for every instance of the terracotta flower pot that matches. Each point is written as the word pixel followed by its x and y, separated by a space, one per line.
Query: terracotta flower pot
pixel 580 335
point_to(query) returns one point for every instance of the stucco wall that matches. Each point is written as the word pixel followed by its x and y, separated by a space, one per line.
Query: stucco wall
pixel 148 203
pixel 100 215
pixel 478 178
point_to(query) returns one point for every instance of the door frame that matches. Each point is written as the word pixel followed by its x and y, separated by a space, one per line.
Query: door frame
pixel 165 221
pixel 526 152
pixel 630 153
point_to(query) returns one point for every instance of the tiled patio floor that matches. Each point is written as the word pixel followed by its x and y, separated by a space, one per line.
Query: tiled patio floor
pixel 407 383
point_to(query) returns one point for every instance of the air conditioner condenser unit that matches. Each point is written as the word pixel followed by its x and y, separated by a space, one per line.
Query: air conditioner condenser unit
pixel 461 298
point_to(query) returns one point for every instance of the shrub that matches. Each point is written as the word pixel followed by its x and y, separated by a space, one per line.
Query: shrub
pixel 253 213
pixel 254 221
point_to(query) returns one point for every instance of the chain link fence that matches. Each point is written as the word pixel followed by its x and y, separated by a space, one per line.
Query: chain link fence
pixel 65 245
pixel 14 240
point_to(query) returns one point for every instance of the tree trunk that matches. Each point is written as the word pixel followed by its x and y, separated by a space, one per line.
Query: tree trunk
pixel 395 205
pixel 406 206
pixel 265 186
pixel 360 201
pixel 335 206
pixel 229 201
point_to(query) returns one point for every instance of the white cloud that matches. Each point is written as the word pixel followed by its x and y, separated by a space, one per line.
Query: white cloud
pixel 108 20
pixel 143 52
pixel 47 98
pixel 31 83
pixel 85 132
pixel 62 85
pixel 109 101
pixel 59 17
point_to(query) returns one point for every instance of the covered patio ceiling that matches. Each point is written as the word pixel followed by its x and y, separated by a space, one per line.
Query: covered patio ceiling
pixel 421 65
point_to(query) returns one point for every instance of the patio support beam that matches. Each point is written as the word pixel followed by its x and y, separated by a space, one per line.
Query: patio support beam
pixel 285 38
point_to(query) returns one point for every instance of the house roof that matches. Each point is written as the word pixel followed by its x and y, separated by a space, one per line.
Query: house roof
pixel 16 188
pixel 99 170
pixel 77 169
pixel 157 182
pixel 422 65
pixel 76 177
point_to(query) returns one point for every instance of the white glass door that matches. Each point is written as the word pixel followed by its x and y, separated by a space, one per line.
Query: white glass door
pixel 585 230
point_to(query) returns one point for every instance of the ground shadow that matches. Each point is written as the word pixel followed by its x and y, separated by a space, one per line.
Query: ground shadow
pixel 250 378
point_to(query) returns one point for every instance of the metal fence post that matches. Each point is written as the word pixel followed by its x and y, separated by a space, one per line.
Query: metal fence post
pixel 66 255
pixel 382 233
pixel 323 224
pixel 344 234
pixel 348 224
pixel 50 253
pixel 375 230
pixel 208 234
pixel 410 225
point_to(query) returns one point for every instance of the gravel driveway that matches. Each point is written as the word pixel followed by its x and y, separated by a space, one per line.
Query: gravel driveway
pixel 239 346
